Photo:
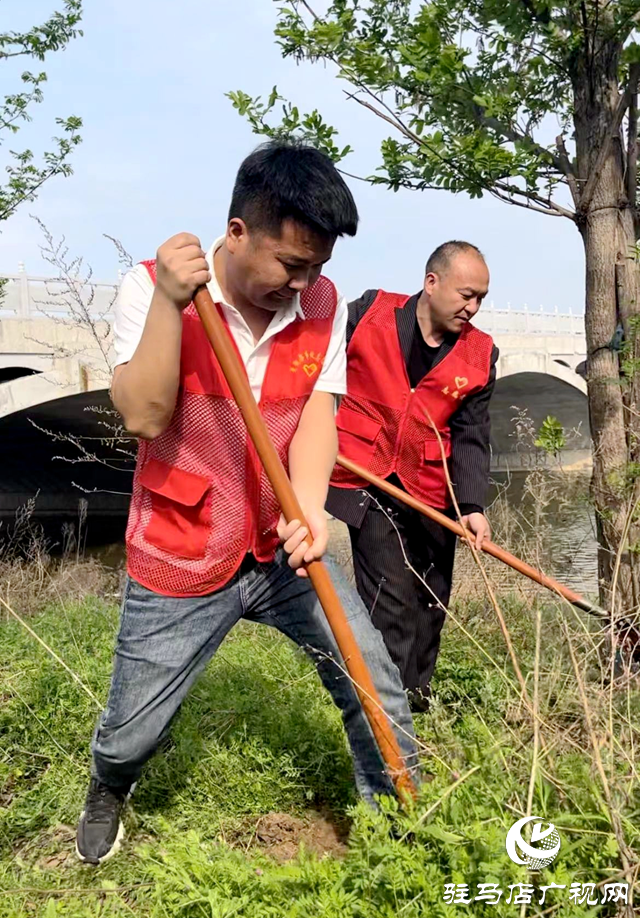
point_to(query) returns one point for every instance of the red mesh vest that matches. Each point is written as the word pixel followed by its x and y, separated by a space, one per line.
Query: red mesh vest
pixel 200 500
pixel 386 426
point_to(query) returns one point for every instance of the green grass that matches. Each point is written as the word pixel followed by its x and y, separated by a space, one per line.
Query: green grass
pixel 259 735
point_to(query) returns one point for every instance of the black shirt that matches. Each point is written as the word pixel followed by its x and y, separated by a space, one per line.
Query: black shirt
pixel 423 357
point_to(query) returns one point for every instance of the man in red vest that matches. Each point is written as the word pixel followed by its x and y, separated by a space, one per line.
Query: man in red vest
pixel 205 542
pixel 419 380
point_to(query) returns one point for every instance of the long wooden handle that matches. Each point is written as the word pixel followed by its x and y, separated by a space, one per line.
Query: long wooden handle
pixel 631 632
pixel 356 667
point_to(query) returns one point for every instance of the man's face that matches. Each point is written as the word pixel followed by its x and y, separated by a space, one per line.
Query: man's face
pixel 455 294
pixel 268 270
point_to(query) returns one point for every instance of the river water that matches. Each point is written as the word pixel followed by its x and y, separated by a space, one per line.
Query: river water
pixel 550 517
pixel 545 519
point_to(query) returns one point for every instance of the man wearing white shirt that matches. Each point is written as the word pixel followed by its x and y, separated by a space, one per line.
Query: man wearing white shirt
pixel 206 545
pixel 134 299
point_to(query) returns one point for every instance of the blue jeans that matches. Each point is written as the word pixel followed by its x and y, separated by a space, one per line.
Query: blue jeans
pixel 164 643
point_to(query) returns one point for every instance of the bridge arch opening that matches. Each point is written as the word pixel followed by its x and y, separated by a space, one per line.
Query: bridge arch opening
pixel 540 395
pixel 7 374
pixel 51 467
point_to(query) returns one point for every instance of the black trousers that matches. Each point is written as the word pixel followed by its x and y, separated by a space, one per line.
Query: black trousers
pixel 407 614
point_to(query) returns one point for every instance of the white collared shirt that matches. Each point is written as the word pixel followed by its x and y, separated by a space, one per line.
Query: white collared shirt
pixel 134 298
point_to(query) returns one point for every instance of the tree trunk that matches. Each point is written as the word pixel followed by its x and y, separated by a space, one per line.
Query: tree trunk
pixel 607 227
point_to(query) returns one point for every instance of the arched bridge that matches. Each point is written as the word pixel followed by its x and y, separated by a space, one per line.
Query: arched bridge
pixel 539 385
pixel 55 409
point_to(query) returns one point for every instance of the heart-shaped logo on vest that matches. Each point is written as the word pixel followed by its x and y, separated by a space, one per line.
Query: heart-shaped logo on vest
pixel 310 368
pixel 461 382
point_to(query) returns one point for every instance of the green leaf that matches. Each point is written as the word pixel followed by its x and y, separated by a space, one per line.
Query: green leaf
pixel 632 53
pixel 551 436
pixel 273 97
pixel 438 832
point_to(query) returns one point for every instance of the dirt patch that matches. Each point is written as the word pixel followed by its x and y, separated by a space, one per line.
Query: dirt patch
pixel 60 840
pixel 51 850
pixel 282 835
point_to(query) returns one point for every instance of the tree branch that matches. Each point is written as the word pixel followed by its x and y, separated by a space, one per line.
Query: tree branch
pixel 313 15
pixel 585 29
pixel 547 207
pixel 391 119
pixel 621 33
pixel 541 206
pixel 565 162
pixel 6 123
pixel 513 132
pixel 632 138
pixel 516 137
pixel 14 203
pixel 359 178
pixel 528 205
pixel 612 131
pixel 543 19
pixel 4 55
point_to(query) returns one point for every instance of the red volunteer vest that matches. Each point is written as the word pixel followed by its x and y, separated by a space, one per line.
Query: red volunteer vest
pixel 385 425
pixel 200 499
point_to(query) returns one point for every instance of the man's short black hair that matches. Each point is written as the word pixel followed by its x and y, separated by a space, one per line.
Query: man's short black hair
pixel 441 258
pixel 287 180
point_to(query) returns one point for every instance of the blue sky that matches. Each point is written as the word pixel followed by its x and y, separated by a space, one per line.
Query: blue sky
pixel 162 145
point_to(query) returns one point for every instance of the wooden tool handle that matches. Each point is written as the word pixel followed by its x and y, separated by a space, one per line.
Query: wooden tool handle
pixel 356 667
pixel 631 632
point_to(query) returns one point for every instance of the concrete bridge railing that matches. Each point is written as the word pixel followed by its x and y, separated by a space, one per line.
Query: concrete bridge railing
pixel 27 296
pixel 55 374
pixel 48 355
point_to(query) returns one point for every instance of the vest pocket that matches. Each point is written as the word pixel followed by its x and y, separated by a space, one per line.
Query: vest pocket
pixel 357 435
pixel 180 521
pixel 433 451
pixel 431 476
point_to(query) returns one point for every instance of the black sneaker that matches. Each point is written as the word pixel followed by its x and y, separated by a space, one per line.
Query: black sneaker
pixel 100 830
pixel 418 701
